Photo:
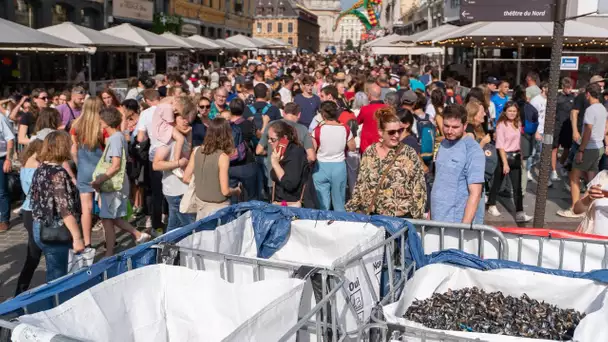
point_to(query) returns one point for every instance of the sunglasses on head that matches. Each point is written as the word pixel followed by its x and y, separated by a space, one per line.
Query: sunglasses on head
pixel 395 131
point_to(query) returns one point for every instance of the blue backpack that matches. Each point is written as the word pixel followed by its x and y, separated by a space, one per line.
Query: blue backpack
pixel 530 119
pixel 426 137
pixel 258 113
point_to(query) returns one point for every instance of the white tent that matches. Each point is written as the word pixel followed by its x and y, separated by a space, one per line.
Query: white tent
pixel 229 45
pixel 525 32
pixel 247 42
pixel 431 33
pixel 143 38
pixel 206 41
pixel 17 37
pixel 411 50
pixel 191 44
pixel 383 41
pixel 85 36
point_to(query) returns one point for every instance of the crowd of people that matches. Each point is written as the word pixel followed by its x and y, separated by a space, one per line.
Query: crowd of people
pixel 343 133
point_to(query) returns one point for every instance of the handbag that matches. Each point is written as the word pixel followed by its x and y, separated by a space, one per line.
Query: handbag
pixel 85 259
pixel 55 232
pixel 372 201
pixel 114 183
pixel 188 203
pixel 297 204
pixel 489 151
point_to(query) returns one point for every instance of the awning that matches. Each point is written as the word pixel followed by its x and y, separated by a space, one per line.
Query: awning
pixel 85 36
pixel 385 41
pixel 431 33
pixel 247 42
pixel 406 50
pixel 17 37
pixel 272 43
pixel 206 41
pixel 143 38
pixel 504 33
pixel 192 44
pixel 229 46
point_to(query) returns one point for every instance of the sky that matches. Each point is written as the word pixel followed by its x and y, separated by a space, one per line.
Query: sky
pixel 347 3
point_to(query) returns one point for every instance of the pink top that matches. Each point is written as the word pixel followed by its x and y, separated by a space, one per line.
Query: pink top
pixel 162 119
pixel 507 137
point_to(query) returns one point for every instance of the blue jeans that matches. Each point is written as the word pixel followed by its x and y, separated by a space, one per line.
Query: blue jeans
pixel 56 256
pixel 247 175
pixel 5 199
pixel 330 183
pixel 177 219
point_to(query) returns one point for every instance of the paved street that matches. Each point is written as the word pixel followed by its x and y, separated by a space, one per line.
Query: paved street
pixel 13 243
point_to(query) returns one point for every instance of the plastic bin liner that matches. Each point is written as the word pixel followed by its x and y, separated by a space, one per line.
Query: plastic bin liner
pixel 324 243
pixel 169 303
pixel 579 294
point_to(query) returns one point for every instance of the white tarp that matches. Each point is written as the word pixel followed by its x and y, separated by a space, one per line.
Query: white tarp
pixel 321 243
pixel 171 303
pixel 577 255
pixel 579 294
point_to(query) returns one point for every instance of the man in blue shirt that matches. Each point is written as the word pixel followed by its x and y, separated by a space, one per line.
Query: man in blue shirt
pixel 459 173
pixel 500 98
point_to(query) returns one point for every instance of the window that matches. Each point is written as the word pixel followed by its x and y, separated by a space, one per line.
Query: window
pixel 24 13
pixel 211 3
pixel 59 14
pixel 238 6
pixel 259 11
pixel 281 10
pixel 290 41
pixel 269 28
pixel 269 10
pixel 87 18
pixel 455 3
pixel 290 27
pixel 259 27
pixel 280 27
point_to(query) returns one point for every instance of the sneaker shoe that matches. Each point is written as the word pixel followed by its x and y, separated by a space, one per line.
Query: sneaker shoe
pixel 563 172
pixel 492 210
pixel 144 237
pixel 554 177
pixel 3 227
pixel 568 213
pixel 567 186
pixel 17 210
pixel 98 226
pixel 530 176
pixel 521 217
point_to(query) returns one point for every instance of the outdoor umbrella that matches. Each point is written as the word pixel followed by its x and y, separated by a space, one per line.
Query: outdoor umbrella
pixel 143 38
pixel 17 37
pixel 85 36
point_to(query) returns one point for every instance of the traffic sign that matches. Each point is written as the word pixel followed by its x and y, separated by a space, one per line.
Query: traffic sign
pixel 510 10
pixel 569 63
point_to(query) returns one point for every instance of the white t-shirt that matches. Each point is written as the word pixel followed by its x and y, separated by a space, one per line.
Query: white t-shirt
pixel 333 143
pixel 286 96
pixel 540 103
pixel 145 124
pixel 172 185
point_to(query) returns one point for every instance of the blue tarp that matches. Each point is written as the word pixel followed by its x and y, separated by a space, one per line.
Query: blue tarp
pixel 271 227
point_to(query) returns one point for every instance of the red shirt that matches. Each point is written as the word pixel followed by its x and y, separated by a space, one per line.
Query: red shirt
pixel 348 95
pixel 369 132
pixel 346 116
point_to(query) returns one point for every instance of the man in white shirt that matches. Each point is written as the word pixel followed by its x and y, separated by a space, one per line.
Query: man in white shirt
pixel 286 88
pixel 7 141
pixel 540 103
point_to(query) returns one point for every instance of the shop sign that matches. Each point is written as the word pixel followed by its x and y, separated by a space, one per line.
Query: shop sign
pixel 569 63
pixel 133 9
pixel 189 30
pixel 513 10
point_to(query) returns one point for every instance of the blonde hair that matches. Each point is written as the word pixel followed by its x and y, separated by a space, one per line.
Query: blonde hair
pixel 88 125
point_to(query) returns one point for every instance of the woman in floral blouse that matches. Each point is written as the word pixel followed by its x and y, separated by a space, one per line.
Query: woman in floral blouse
pixel 391 178
pixel 55 202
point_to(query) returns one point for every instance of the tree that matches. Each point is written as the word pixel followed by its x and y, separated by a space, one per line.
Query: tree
pixel 349 45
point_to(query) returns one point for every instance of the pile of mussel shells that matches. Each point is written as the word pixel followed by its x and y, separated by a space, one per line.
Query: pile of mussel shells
pixel 472 309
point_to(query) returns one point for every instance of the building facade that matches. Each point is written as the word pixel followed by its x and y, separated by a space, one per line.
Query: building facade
pixel 215 18
pixel 287 21
pixel 327 12
pixel 350 28
pixel 43 13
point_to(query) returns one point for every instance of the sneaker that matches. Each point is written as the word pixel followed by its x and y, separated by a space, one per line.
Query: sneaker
pixel 521 217
pixel 554 177
pixel 530 176
pixel 492 210
pixel 98 226
pixel 165 219
pixel 17 210
pixel 563 172
pixel 144 237
pixel 568 213
pixel 567 186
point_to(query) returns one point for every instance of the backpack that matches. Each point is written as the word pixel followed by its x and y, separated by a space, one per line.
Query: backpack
pixel 257 114
pixel 317 136
pixel 240 147
pixel 426 137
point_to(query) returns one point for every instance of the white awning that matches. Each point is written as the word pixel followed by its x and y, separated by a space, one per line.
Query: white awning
pixel 192 44
pixel 143 38
pixel 16 37
pixel 85 36
pixel 206 41
pixel 246 42
pixel 406 50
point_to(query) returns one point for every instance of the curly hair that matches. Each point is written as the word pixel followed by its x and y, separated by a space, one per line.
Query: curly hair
pixel 385 116
pixel 218 137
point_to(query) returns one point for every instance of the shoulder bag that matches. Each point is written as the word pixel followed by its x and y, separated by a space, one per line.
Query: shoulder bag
pixel 114 183
pixel 55 232
pixel 370 207
pixel 188 203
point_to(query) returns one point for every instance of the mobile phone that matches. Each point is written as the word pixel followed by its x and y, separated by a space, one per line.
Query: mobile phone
pixel 282 146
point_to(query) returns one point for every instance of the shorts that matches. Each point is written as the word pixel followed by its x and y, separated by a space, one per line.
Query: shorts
pixel 591 160
pixel 562 135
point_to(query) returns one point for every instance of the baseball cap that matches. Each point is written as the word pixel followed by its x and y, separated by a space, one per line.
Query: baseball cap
pixel 492 80
pixel 596 78
pixel 409 97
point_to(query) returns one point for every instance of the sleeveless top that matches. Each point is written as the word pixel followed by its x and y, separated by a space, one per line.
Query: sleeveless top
pixel 206 177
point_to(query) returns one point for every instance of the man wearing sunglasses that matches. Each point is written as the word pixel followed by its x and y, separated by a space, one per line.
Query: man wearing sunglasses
pixel 71 110
pixel 459 173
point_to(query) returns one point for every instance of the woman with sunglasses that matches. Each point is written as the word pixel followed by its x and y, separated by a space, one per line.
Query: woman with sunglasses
pixel 201 121
pixel 27 122
pixel 508 144
pixel 391 179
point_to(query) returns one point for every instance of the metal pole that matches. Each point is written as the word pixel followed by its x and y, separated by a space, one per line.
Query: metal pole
pixel 519 50
pixel 545 157
pixel 474 72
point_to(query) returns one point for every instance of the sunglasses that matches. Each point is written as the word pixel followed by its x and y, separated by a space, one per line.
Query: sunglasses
pixel 204 107
pixel 395 131
pixel 43 98
pixel 273 140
